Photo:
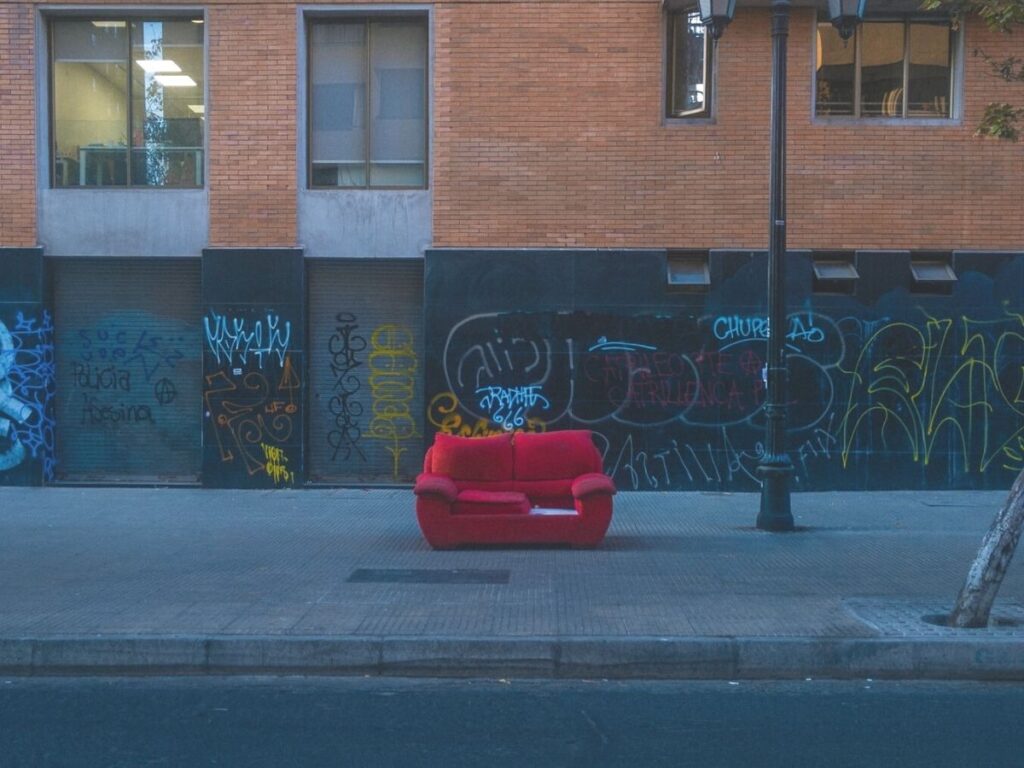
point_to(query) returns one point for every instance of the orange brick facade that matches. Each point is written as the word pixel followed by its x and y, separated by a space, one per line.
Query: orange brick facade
pixel 548 130
pixel 252 125
pixel 17 129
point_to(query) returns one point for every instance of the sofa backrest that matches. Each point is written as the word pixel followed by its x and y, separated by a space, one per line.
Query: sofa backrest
pixel 555 455
pixel 526 457
pixel 488 459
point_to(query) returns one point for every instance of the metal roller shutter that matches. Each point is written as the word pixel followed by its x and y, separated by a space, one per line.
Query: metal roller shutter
pixel 128 349
pixel 365 371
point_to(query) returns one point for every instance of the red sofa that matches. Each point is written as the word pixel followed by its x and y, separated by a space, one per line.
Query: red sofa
pixel 527 488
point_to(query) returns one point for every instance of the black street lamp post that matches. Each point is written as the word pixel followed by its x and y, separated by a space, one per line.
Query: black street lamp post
pixel 776 467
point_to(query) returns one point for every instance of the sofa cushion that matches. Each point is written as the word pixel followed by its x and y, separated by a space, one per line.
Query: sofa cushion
pixel 491 503
pixel 473 458
pixel 546 493
pixel 555 455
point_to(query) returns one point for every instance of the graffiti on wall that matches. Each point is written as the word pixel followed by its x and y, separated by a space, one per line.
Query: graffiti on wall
pixel 345 347
pixel 253 414
pixel 373 384
pixel 27 386
pixel 393 368
pixel 953 386
pixel 678 402
pixel 236 340
pixel 124 375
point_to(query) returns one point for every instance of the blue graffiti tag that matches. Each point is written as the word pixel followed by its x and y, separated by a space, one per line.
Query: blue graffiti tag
pixel 26 386
pixel 508 405
pixel 233 339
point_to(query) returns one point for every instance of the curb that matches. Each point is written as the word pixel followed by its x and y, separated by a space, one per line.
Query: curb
pixel 708 658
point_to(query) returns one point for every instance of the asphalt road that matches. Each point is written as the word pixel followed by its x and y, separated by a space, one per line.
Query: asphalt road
pixel 251 722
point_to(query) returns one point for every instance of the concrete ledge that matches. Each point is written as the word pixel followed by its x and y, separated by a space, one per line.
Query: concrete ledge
pixel 705 658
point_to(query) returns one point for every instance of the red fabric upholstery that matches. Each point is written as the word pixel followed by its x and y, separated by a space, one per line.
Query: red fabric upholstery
pixel 491 503
pixel 467 494
pixel 436 484
pixel 555 455
pixel 594 482
pixel 473 458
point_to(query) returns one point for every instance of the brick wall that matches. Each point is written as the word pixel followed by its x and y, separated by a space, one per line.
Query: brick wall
pixel 17 127
pixel 252 108
pixel 549 131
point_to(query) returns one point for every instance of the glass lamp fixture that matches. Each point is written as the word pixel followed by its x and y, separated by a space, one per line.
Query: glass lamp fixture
pixel 716 15
pixel 846 15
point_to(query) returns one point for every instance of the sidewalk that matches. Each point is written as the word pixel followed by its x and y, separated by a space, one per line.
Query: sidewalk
pixel 150 581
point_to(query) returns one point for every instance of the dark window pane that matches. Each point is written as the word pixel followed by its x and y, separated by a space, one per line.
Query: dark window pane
pixel 168 109
pixel 338 104
pixel 835 65
pixel 398 103
pixel 90 102
pixel 881 54
pixel 929 87
pixel 689 74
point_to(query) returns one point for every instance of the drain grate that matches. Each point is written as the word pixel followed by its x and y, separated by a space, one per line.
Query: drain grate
pixel 427 576
pixel 924 618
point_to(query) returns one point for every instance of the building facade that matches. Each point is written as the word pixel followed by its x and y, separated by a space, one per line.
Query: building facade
pixel 268 244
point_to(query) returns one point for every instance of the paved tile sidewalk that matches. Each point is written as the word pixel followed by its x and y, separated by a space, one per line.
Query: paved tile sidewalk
pixel 169 563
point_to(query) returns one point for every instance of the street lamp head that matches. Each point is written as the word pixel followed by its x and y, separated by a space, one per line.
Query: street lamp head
pixel 846 15
pixel 716 14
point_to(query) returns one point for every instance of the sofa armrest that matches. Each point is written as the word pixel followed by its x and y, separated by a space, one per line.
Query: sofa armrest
pixel 591 483
pixel 429 483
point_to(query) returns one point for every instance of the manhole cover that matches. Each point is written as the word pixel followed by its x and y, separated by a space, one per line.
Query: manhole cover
pixel 428 576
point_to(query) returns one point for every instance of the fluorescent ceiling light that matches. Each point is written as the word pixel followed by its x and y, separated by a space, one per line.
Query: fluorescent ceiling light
pixel 105 24
pixel 199 109
pixel 175 81
pixel 158 65
pixel 197 21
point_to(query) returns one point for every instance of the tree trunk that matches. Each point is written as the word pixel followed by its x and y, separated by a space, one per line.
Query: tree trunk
pixel 989 567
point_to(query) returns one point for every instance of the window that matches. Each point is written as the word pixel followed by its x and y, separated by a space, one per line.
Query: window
pixel 127 106
pixel 890 69
pixel 688 270
pixel 367 102
pixel 689 66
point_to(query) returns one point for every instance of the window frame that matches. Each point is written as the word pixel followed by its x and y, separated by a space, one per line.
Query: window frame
pixel 705 113
pixel 49 19
pixel 311 20
pixel 956 77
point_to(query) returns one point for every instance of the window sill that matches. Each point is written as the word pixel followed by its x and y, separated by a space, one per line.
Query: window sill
pixel 670 122
pixel 111 188
pixel 910 122
pixel 343 190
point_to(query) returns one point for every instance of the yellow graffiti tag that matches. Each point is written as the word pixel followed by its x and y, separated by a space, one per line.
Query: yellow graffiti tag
pixel 275 460
pixel 919 383
pixel 393 366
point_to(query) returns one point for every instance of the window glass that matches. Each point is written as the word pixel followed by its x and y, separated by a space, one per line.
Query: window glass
pixel 167 103
pixel 929 82
pixel 90 102
pixel 836 71
pixel 128 104
pixel 688 77
pixel 398 134
pixel 368 103
pixel 337 100
pixel 881 72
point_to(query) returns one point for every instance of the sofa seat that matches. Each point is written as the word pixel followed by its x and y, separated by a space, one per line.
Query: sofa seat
pixel 491 503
